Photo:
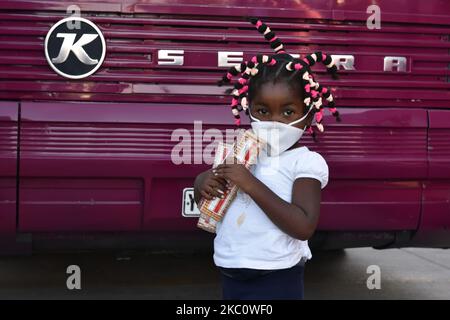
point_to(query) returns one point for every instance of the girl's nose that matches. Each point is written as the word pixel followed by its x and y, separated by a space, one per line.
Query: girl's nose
pixel 277 118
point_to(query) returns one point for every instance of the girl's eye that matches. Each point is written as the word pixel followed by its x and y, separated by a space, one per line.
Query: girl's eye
pixel 262 111
pixel 288 112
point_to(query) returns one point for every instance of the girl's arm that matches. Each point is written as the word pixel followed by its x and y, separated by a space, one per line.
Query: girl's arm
pixel 298 219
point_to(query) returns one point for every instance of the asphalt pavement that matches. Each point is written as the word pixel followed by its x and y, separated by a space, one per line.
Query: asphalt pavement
pixel 362 273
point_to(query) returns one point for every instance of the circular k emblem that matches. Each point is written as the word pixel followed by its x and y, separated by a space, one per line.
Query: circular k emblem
pixel 75 52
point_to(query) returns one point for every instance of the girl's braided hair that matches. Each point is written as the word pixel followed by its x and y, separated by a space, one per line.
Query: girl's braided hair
pixel 263 68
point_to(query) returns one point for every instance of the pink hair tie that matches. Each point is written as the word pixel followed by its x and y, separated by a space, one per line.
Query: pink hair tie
pixel 242 80
pixel 308 88
pixel 272 62
pixel 244 89
pixel 234 102
pixel 273 39
pixel 319 116
pixel 314 93
pixel 229 76
pixel 254 59
pixel 324 90
pixel 305 60
pixel 258 23
pixel 297 66
pixel 333 110
pixel 237 122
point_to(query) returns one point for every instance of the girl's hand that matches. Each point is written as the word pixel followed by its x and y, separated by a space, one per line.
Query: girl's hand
pixel 235 173
pixel 211 186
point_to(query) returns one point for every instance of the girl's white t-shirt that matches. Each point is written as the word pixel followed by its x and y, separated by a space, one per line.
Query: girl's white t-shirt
pixel 246 237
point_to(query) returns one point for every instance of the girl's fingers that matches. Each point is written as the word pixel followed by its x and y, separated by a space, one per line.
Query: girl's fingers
pixel 225 176
pixel 220 179
pixel 206 195
pixel 222 175
pixel 214 192
pixel 227 183
pixel 221 188
pixel 217 173
pixel 220 182
pixel 220 167
pixel 221 171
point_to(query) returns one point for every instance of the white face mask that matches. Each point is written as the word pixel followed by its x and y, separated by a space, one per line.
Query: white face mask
pixel 278 136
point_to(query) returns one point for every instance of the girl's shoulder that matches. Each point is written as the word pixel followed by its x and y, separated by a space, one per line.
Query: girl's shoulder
pixel 303 153
pixel 309 164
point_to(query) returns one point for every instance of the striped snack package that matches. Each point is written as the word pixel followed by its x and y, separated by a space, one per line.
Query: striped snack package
pixel 245 151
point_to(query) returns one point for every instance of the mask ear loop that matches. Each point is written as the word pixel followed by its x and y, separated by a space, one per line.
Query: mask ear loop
pixel 252 117
pixel 301 119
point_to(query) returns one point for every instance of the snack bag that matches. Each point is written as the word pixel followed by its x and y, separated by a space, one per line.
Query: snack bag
pixel 244 151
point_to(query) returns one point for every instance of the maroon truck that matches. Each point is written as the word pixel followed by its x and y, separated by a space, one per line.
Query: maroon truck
pixel 88 107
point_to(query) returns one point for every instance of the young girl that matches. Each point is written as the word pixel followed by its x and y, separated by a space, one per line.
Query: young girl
pixel 261 244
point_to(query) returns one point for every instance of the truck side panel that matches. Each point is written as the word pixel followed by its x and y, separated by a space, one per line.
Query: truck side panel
pixel 435 223
pixel 8 167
